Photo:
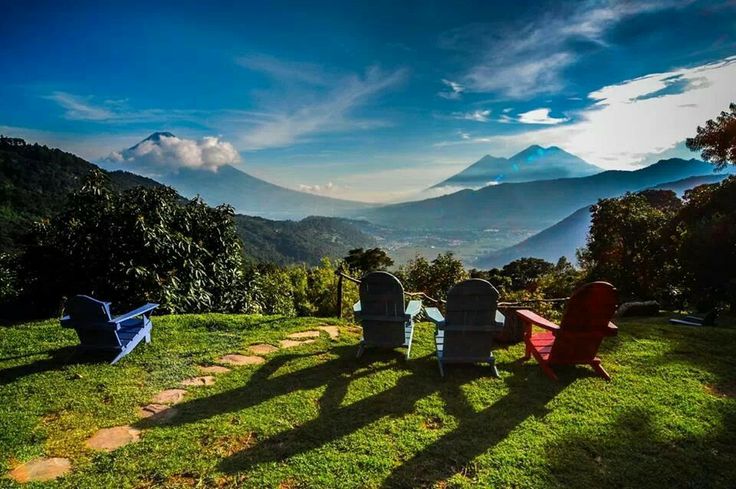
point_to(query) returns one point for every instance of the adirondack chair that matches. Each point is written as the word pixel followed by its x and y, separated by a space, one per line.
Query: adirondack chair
pixel 585 322
pixel 100 332
pixel 385 321
pixel 707 319
pixel 472 323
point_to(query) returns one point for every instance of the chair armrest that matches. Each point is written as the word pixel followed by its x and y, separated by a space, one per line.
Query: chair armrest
pixel 612 330
pixel 413 308
pixel 356 308
pixel 136 312
pixel 530 317
pixel 435 316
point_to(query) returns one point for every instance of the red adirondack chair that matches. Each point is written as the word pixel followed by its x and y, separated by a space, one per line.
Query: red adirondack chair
pixel 585 322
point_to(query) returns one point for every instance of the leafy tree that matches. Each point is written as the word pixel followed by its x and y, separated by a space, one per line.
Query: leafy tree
pixel 433 278
pixel 142 244
pixel 524 272
pixel 628 246
pixel 706 245
pixel 360 261
pixel 561 281
pixel 717 140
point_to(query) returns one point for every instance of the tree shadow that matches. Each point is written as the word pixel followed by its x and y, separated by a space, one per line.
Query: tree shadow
pixel 57 359
pixel 634 453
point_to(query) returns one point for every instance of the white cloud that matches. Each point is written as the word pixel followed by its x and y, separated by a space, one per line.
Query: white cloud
pixel 81 108
pixel 632 120
pixel 476 115
pixel 285 71
pixel 327 188
pixel 455 90
pixel 172 153
pixel 314 113
pixel 540 116
pixel 520 61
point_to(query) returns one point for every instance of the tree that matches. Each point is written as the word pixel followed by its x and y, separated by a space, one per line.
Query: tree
pixel 717 140
pixel 139 245
pixel 525 272
pixel 435 278
pixel 627 244
pixel 360 261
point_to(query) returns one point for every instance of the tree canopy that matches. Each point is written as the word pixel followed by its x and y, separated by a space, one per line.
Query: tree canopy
pixel 717 139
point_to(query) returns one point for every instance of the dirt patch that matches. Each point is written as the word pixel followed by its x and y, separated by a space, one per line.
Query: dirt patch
pixel 197 381
pixel 235 359
pixel 262 349
pixel 169 396
pixel 109 439
pixel 226 446
pixel 727 389
pixel 432 423
pixel 41 469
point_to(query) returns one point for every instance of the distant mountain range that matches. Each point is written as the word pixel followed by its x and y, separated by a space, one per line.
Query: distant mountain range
pixel 528 205
pixel 533 163
pixel 246 193
pixel 35 181
pixel 566 236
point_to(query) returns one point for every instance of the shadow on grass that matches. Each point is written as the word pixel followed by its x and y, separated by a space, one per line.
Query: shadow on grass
pixel 57 359
pixel 634 452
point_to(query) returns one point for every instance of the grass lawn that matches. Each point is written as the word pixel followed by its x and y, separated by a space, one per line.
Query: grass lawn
pixel 314 416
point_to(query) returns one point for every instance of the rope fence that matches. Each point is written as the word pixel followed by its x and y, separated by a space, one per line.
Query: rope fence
pixel 343 276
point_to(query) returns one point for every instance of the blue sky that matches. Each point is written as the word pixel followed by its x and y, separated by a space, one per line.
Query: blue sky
pixel 367 100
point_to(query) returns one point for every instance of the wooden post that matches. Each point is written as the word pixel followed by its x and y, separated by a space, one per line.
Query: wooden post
pixel 339 296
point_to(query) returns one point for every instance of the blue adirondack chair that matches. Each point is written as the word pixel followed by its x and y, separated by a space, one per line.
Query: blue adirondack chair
pixel 100 332
pixel 472 323
pixel 385 321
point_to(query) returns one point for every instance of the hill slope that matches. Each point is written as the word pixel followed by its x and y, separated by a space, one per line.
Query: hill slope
pixel 533 163
pixel 35 180
pixel 531 205
pixel 565 237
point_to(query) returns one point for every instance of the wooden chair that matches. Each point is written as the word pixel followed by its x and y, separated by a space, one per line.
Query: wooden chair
pixel 472 323
pixel 386 322
pixel 706 319
pixel 585 322
pixel 100 332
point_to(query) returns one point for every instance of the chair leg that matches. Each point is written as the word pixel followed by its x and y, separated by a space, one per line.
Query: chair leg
pixel 442 370
pixel 361 349
pixel 117 358
pixel 527 352
pixel 548 371
pixel 409 337
pixel 148 337
pixel 596 364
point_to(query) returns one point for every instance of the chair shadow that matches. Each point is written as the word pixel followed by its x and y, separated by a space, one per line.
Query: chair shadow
pixel 58 358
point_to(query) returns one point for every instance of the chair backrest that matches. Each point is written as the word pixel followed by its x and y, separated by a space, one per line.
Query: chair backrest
pixel 91 319
pixel 382 307
pixel 584 323
pixel 471 304
pixel 381 294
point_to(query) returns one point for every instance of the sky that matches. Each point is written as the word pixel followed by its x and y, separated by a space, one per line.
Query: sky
pixel 369 101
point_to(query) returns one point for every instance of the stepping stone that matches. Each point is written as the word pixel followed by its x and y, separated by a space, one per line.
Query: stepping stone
pixel 293 343
pixel 262 349
pixel 235 359
pixel 157 413
pixel 41 469
pixel 108 439
pixel 333 331
pixel 194 381
pixel 169 396
pixel 213 369
pixel 303 335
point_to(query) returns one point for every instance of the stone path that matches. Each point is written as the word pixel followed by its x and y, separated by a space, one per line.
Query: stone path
pixel 160 410
pixel 237 359
pixel 108 439
pixel 41 469
pixel 196 381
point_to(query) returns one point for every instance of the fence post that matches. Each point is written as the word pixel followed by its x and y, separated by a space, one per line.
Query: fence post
pixel 339 296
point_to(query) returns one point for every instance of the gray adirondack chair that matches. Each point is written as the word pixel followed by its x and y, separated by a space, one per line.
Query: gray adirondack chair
pixel 100 332
pixel 467 334
pixel 386 322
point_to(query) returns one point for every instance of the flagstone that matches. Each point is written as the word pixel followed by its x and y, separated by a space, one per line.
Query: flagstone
pixel 303 335
pixel 333 331
pixel 213 369
pixel 169 396
pixel 262 349
pixel 160 413
pixel 109 439
pixel 195 381
pixel 41 469
pixel 293 343
pixel 236 359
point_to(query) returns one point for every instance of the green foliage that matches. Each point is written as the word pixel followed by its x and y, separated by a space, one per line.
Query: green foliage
pixel 627 244
pixel 717 140
pixel 137 245
pixel 360 261
pixel 706 244
pixel 433 278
